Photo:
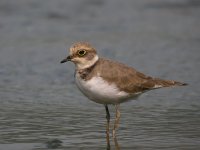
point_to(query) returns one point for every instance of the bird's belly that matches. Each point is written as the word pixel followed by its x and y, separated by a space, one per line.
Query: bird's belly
pixel 100 91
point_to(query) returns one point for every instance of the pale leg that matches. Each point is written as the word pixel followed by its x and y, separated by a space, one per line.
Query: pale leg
pixel 117 117
pixel 107 127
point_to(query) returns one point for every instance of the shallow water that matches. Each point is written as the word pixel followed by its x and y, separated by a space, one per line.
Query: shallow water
pixel 39 101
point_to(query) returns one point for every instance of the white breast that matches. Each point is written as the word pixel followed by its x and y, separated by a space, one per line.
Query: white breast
pixel 100 91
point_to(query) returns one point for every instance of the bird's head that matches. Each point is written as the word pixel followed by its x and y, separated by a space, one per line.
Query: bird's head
pixel 82 54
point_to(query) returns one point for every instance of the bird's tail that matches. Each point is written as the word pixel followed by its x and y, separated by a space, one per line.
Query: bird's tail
pixel 167 83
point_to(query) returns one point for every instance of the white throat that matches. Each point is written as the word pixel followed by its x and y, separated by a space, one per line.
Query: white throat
pixel 87 63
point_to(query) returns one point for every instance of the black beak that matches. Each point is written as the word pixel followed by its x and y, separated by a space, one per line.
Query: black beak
pixel 68 58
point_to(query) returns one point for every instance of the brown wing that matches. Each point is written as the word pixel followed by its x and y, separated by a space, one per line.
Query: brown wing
pixel 130 80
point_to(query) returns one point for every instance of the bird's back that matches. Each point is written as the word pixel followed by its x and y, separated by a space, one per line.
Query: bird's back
pixel 127 78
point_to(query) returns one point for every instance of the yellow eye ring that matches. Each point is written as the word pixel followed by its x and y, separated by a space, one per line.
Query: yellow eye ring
pixel 81 52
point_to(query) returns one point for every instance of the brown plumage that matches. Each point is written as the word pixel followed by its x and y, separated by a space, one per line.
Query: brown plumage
pixel 126 78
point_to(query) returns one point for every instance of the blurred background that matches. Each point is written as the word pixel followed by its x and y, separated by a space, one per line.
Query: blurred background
pixel 39 101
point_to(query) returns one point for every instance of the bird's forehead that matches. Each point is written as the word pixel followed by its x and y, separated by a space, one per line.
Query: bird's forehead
pixel 80 45
pixel 74 49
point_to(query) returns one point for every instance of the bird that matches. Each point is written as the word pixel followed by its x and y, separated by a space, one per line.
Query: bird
pixel 109 82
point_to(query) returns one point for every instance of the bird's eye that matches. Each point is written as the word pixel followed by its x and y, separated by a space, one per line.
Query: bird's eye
pixel 81 52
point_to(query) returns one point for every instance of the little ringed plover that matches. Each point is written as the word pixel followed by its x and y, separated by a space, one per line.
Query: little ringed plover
pixel 107 82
